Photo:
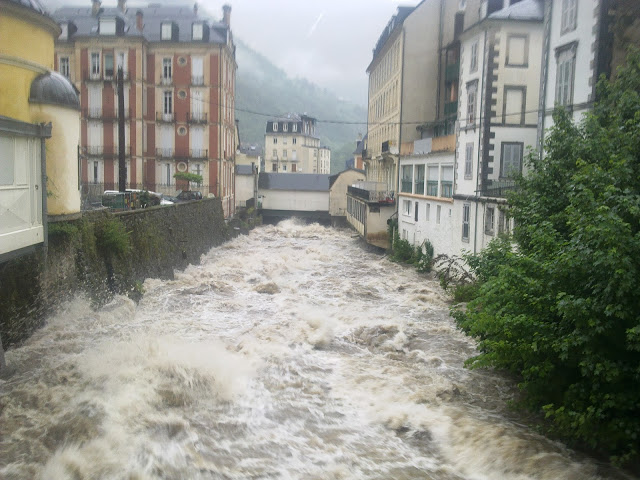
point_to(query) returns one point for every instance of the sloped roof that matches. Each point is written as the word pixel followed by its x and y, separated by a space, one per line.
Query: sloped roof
pixel 523 10
pixel 153 16
pixel 244 170
pixel 251 150
pixel 333 178
pixel 309 182
pixel 32 4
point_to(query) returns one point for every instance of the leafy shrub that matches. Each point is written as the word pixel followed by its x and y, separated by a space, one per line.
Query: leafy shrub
pixel 111 238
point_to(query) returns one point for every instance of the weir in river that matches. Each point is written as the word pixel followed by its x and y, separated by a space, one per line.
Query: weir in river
pixel 290 353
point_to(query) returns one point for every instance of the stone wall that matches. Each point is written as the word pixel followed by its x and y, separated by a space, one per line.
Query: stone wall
pixel 103 254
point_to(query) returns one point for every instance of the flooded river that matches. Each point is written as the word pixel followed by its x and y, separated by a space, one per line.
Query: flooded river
pixel 291 353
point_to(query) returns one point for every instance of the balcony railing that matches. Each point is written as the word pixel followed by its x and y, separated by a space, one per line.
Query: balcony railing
pixel 94 150
pixel 166 80
pixel 197 80
pixel 498 188
pixel 197 117
pixel 110 152
pixel 165 117
pixel 94 113
pixel 107 76
pixel 165 152
pixel 198 153
pixel 372 192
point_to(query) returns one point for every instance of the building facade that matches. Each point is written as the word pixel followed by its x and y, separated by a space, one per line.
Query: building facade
pixel 179 93
pixel 39 130
pixel 291 146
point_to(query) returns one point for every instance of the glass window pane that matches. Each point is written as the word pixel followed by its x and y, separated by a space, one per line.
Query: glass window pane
pixel 7 160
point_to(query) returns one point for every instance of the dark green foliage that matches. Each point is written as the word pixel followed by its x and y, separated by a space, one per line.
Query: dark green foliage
pixel 111 238
pixel 562 308
pixel 403 252
pixel 189 177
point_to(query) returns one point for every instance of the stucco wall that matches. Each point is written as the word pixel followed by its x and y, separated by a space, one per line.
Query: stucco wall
pixel 338 192
pixel 160 239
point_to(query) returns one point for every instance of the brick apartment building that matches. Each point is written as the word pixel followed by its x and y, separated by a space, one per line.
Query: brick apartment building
pixel 179 70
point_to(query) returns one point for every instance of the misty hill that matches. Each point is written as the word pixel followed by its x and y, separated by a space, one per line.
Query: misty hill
pixel 264 88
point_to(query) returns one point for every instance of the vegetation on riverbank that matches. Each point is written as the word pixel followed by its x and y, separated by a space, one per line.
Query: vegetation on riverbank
pixel 558 303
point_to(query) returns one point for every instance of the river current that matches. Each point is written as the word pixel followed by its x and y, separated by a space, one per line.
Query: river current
pixel 290 353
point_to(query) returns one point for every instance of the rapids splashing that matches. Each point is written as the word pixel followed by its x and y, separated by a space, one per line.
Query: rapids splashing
pixel 289 353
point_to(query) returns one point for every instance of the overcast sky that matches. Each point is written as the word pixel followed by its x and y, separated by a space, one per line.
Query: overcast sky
pixel 329 42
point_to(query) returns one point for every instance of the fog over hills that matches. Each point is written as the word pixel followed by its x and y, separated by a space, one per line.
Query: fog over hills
pixel 264 88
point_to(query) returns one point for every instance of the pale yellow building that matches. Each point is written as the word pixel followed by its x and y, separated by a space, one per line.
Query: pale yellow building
pixel 37 177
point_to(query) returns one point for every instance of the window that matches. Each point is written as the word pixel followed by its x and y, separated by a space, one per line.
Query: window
pixel 407 179
pixel 428 211
pixel 468 161
pixel 466 211
pixel 511 163
pixel 446 184
pixel 121 62
pixel 294 128
pixel 419 180
pixel 165 33
pixel 438 213
pixel 166 174
pixel 517 51
pixel 284 168
pixel 63 66
pixel 474 57
pixel 274 167
pixel 284 141
pixel 472 89
pixel 275 153
pixel 513 105
pixel 569 15
pixel 196 31
pixel 108 65
pixel 416 212
pixel 65 31
pixel 275 141
pixel 275 126
pixel 167 108
pixel 197 71
pixel 167 64
pixel 489 220
pixel 285 127
pixel 406 206
pixel 432 181
pixel 294 155
pixel 107 26
pixel 566 61
pixel 284 154
pixel 293 168
pixel 95 65
pixel 503 222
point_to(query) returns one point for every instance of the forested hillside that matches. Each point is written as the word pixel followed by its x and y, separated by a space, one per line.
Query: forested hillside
pixel 262 87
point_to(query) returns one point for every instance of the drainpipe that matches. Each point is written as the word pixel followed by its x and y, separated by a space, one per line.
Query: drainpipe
pixel 475 221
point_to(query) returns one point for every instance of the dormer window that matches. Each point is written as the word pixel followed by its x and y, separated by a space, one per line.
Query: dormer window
pixel 165 34
pixel 285 127
pixel 196 31
pixel 107 26
pixel 275 126
pixel 295 127
pixel 64 35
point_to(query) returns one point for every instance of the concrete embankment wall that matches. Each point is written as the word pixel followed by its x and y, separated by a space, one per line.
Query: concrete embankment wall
pixel 104 254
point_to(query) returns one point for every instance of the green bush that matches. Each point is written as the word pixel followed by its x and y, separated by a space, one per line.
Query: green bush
pixel 111 238
pixel 562 308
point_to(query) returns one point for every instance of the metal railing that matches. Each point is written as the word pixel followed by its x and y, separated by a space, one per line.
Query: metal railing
pixel 165 152
pixel 198 117
pixel 372 192
pixel 499 188
pixel 197 80
pixel 198 153
pixel 165 117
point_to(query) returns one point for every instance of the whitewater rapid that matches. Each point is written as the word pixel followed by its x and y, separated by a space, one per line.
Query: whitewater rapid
pixel 290 353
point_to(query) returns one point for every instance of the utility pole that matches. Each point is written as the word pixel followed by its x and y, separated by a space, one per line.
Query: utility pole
pixel 122 166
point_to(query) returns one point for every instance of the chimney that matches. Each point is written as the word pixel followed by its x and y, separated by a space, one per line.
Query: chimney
pixel 122 5
pixel 226 15
pixel 95 7
pixel 195 8
pixel 139 24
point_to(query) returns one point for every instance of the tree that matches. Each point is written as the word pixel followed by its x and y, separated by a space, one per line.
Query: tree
pixel 188 177
pixel 562 308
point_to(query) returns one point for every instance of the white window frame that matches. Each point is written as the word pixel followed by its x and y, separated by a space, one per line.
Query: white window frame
pixel 64 66
pixel 275 126
pixel 507 150
pixel 472 100
pixel 166 31
pixel 569 16
pixel 95 64
pixel 468 161
pixel 565 74
pixel 406 207
pixel 489 220
pixel 466 223
pixel 167 104
pixel 474 57
pixel 167 70
pixel 197 31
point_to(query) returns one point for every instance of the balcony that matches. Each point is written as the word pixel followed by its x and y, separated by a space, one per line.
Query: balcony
pixel 89 76
pixel 198 153
pixel 94 150
pixel 197 117
pixel 452 72
pixel 443 144
pixel 115 153
pixel 165 117
pixel 94 113
pixel 498 188
pixel 165 153
pixel 375 192
pixel 106 76
pixel 166 80
pixel 197 80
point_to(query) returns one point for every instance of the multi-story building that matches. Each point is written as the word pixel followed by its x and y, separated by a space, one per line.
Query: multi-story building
pixel 291 146
pixel 179 93
pixel 39 130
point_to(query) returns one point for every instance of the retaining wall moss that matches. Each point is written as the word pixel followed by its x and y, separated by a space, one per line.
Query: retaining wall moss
pixel 104 254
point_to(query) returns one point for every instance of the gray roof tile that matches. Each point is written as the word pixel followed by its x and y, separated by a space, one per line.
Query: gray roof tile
pixel 310 182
